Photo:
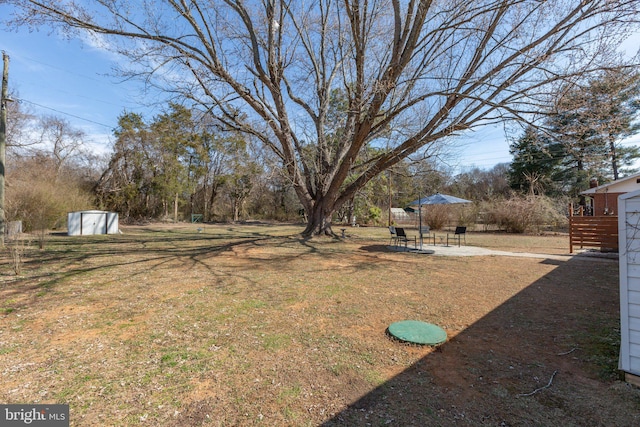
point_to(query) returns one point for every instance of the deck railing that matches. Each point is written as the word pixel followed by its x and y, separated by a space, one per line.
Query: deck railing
pixel 594 231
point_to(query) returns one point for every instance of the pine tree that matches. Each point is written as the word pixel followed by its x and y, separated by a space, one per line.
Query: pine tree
pixel 536 163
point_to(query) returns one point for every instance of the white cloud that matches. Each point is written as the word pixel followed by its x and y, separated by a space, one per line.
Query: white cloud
pixel 98 42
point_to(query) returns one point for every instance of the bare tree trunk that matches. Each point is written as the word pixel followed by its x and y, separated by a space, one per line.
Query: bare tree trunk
pixel 175 209
pixel 3 142
pixel 236 210
pixel 319 220
pixel 614 158
pixel 212 198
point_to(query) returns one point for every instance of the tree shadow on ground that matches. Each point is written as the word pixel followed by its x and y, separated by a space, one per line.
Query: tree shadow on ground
pixel 547 356
pixel 79 256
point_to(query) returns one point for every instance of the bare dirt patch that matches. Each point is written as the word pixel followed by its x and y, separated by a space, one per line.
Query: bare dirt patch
pixel 251 325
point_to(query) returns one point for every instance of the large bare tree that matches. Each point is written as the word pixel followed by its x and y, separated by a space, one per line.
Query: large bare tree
pixel 410 72
pixel 59 137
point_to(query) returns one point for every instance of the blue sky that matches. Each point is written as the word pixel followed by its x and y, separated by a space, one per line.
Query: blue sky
pixel 68 79
pixel 75 81
pixel 53 76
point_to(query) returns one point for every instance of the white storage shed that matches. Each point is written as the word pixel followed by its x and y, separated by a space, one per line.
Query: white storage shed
pixel 629 255
pixel 83 223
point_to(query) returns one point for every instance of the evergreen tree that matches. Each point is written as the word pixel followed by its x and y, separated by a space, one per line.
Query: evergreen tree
pixel 580 137
pixel 590 121
pixel 125 185
pixel 174 138
pixel 615 100
pixel 536 163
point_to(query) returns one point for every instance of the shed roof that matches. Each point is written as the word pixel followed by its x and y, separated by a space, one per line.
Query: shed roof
pixel 90 211
pixel 630 195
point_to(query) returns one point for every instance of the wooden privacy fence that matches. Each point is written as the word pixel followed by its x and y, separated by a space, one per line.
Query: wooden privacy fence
pixel 594 231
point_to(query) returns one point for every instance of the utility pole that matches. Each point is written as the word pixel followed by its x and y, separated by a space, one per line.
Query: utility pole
pixel 389 188
pixel 3 141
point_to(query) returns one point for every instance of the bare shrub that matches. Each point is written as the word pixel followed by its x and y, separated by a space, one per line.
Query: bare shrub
pixel 437 216
pixel 532 213
pixel 17 249
pixel 38 208
pixel 467 214
pixel 40 198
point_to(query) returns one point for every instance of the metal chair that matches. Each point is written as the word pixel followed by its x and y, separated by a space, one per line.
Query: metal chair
pixel 394 236
pixel 460 232
pixel 402 237
pixel 425 232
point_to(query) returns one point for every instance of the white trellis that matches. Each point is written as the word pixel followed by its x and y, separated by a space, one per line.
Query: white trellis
pixel 629 255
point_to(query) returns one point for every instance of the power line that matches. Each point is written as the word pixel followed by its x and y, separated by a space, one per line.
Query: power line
pixel 34 83
pixel 62 69
pixel 66 114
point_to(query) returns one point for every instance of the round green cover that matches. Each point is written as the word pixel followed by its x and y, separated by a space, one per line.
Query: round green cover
pixel 418 332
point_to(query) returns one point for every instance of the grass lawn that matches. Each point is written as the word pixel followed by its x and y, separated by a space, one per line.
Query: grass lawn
pixel 252 325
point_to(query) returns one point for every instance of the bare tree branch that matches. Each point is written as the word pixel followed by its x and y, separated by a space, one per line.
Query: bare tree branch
pixel 320 83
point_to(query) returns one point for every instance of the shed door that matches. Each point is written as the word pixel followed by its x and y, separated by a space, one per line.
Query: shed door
pixel 93 223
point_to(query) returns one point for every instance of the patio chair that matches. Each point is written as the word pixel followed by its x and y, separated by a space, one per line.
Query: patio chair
pixel 402 237
pixel 425 234
pixel 394 236
pixel 460 232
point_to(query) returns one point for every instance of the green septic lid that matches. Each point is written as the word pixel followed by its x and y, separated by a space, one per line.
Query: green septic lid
pixel 418 332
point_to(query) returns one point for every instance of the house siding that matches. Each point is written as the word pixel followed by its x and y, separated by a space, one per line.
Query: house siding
pixel 605 197
pixel 605 203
